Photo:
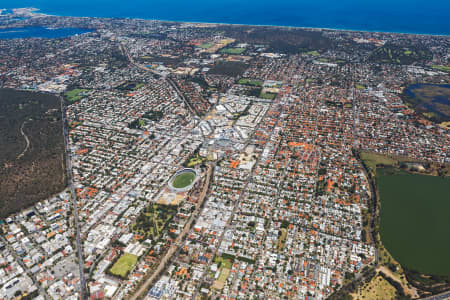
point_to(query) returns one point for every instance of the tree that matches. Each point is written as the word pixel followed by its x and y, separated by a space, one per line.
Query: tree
pixel 349 276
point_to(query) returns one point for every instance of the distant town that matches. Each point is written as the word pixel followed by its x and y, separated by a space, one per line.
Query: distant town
pixel 209 161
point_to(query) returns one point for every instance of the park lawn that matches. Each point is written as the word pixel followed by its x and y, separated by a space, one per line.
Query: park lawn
pixel 250 82
pixel 373 159
pixel 360 87
pixel 124 265
pixel 441 68
pixel 225 262
pixel 225 267
pixel 75 94
pixel 268 96
pixel 323 60
pixel 153 220
pixel 281 239
pixel 313 53
pixel 377 289
pixel 183 180
pixel 206 45
pixel 233 50
pixel 414 222
pixel 138 86
pixel 194 161
pixel 141 123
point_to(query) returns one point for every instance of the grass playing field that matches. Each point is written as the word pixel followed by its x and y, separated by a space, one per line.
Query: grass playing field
pixel 183 180
pixel 233 50
pixel 414 223
pixel 124 265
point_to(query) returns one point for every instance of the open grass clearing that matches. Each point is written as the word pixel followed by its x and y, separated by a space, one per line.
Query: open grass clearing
pixel 206 45
pixel 281 239
pixel 268 96
pixel 233 50
pixel 75 95
pixel 373 159
pixel 124 265
pixel 250 82
pixel 223 262
pixel 312 53
pixel 376 289
pixel 441 68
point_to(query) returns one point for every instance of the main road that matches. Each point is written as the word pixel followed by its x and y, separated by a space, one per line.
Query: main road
pixel 443 296
pixel 83 292
pixel 169 80
pixel 178 241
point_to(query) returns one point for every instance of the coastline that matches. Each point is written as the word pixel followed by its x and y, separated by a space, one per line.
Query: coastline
pixel 38 12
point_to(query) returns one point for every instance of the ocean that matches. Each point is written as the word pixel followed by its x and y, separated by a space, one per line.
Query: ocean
pixel 40 32
pixel 406 16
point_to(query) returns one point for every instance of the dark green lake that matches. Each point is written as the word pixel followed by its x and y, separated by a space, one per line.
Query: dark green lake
pixel 415 220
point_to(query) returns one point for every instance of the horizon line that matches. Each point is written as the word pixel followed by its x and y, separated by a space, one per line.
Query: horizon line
pixel 39 11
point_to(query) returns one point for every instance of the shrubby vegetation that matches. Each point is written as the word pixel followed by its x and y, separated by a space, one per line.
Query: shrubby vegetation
pixel 29 174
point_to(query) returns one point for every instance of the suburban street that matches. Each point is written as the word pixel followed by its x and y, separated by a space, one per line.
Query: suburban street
pixel 221 161
pixel 31 275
